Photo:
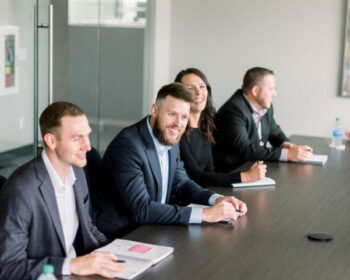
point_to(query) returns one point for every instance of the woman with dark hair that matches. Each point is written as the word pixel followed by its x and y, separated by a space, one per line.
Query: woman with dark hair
pixel 196 143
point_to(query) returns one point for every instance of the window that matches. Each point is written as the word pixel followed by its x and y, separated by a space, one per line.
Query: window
pixel 121 13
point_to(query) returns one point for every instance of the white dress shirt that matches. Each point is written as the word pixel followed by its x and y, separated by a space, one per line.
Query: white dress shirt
pixel 67 208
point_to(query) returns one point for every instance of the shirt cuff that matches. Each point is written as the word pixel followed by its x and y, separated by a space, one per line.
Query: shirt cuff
pixel 284 155
pixel 196 216
pixel 286 142
pixel 65 267
pixel 212 199
pixel 197 213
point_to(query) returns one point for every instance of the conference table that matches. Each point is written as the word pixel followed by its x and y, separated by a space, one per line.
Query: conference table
pixel 270 242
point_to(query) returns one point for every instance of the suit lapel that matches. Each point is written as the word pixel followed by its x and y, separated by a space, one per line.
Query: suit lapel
pixel 265 127
pixel 82 239
pixel 49 197
pixel 79 199
pixel 152 156
pixel 155 167
pixel 172 169
pixel 252 125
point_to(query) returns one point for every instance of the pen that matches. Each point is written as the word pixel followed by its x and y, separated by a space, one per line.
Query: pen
pixel 120 261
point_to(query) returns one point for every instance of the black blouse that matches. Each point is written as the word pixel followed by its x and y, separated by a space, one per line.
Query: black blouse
pixel 196 153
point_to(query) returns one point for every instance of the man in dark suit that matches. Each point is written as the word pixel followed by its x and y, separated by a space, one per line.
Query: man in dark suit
pixel 44 205
pixel 245 123
pixel 145 169
pixel 2 181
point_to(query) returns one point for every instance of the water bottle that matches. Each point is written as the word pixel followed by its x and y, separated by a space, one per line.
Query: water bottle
pixel 337 138
pixel 47 273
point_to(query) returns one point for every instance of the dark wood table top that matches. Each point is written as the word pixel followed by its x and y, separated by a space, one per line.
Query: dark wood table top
pixel 270 241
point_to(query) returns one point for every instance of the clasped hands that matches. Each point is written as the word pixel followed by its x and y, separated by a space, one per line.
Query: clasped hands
pixel 226 207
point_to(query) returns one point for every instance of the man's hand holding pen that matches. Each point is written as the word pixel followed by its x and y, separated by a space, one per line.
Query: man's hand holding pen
pixel 255 173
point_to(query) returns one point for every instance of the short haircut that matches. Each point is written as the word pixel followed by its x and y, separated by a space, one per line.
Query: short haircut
pixel 50 118
pixel 176 90
pixel 253 77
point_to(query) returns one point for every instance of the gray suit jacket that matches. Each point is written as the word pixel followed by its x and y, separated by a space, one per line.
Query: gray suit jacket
pixel 30 228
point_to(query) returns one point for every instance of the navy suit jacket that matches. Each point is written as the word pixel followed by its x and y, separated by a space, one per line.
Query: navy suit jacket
pixel 237 139
pixel 31 233
pixel 133 168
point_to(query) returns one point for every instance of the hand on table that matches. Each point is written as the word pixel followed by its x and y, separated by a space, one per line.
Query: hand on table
pixel 300 153
pixel 347 133
pixel 287 145
pixel 226 207
pixel 101 263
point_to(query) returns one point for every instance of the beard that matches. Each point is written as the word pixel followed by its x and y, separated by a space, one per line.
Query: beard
pixel 263 102
pixel 160 134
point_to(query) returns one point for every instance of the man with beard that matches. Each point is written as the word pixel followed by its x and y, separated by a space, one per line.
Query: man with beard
pixel 145 170
pixel 245 123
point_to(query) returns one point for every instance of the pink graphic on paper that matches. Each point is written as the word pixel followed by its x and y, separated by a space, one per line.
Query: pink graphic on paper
pixel 139 249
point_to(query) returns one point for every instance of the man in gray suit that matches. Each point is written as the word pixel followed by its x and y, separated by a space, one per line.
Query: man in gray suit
pixel 44 205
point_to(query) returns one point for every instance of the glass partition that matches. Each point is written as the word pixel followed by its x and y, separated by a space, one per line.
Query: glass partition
pixel 89 52
pixel 120 27
pixel 16 83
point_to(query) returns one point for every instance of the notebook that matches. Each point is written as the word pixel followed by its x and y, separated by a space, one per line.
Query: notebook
pixel 137 256
pixel 316 159
pixel 261 183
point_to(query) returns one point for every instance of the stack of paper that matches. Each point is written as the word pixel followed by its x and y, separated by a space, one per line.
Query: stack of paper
pixel 261 183
pixel 316 159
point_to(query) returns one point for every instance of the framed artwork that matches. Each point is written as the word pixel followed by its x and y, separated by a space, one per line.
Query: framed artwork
pixel 8 63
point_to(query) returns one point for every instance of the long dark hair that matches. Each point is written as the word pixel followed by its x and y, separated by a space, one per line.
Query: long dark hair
pixel 206 120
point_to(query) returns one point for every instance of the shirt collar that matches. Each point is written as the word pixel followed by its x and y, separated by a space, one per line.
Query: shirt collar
pixel 160 148
pixel 55 178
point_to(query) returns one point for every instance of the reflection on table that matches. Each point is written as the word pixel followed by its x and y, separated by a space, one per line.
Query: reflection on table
pixel 270 241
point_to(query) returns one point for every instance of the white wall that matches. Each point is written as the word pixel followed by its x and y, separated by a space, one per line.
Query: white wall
pixel 157 50
pixel 300 40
